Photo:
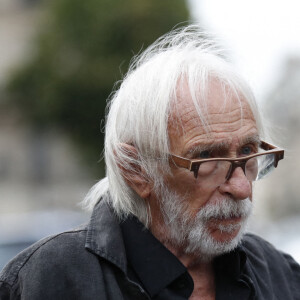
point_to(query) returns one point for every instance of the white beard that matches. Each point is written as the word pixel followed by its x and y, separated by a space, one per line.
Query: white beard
pixel 191 233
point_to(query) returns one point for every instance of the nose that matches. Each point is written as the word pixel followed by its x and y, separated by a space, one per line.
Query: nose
pixel 238 186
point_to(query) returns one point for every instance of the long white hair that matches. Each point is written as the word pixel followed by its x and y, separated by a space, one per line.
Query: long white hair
pixel 138 111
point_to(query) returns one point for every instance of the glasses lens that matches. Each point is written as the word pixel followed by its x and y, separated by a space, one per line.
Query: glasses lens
pixel 251 168
pixel 214 171
pixel 266 165
pixel 259 167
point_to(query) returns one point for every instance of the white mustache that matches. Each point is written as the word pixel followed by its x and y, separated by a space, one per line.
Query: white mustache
pixel 226 208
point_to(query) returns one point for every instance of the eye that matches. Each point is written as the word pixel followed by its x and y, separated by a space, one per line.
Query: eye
pixel 247 150
pixel 205 154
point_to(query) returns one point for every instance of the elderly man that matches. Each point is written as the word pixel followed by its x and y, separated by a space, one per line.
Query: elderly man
pixel 184 143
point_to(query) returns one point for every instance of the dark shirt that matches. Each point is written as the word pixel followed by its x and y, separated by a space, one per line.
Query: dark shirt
pixel 161 274
pixel 164 277
pixel 98 261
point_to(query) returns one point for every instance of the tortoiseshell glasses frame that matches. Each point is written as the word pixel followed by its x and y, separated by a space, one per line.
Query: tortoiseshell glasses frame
pixel 255 166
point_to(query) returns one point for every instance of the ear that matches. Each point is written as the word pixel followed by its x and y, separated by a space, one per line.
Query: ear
pixel 135 176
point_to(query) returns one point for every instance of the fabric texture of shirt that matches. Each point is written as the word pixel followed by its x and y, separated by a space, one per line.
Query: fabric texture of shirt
pixel 107 259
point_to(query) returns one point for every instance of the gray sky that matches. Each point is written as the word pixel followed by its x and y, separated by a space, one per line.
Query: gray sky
pixel 260 33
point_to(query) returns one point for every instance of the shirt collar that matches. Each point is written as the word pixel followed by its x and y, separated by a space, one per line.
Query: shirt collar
pixel 104 236
pixel 232 263
pixel 155 266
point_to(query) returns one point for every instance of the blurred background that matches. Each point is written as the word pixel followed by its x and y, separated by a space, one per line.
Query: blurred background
pixel 59 61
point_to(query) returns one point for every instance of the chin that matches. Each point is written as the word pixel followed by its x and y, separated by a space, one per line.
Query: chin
pixel 206 244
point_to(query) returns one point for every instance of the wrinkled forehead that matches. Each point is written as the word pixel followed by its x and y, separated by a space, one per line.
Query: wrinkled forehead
pixel 210 110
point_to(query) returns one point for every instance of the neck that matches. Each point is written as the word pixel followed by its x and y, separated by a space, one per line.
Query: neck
pixel 200 270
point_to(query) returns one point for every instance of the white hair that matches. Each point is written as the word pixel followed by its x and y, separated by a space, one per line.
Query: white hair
pixel 138 112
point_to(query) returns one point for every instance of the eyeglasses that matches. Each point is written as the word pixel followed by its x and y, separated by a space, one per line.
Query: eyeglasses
pixel 219 170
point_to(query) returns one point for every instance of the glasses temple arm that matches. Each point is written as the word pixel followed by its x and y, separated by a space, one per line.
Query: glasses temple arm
pixel 278 157
pixel 195 169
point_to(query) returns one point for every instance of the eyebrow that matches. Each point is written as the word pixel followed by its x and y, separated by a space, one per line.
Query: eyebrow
pixel 251 139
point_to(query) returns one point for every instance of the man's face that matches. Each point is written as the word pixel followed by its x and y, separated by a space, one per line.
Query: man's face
pixel 233 133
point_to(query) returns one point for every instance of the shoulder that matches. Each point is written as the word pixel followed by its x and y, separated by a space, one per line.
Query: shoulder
pixel 57 250
pixel 57 267
pixel 258 249
pixel 271 265
pixel 257 246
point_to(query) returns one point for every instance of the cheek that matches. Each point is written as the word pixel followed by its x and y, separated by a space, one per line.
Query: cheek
pixel 180 180
pixel 200 195
pixel 197 193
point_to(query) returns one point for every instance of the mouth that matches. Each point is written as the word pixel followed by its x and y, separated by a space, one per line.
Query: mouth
pixel 230 220
pixel 225 228
pixel 225 220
